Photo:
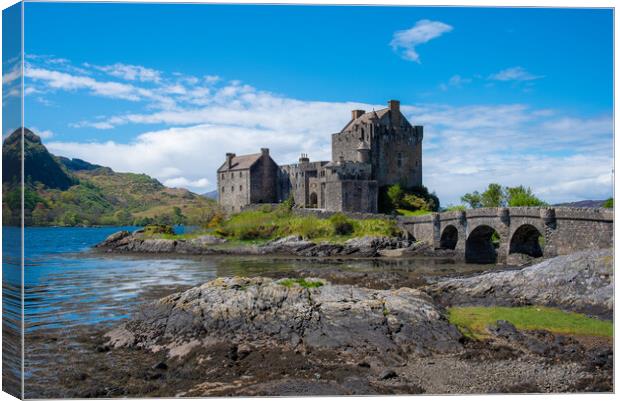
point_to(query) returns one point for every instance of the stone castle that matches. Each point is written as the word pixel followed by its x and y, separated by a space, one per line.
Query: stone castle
pixel 373 150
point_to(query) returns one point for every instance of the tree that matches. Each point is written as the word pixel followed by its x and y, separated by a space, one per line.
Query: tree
pixel 521 196
pixel 609 203
pixel 472 199
pixel 177 216
pixel 493 197
pixel 395 195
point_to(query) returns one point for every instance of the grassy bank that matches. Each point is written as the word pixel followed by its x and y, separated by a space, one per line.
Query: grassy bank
pixel 259 226
pixel 472 321
pixel 271 224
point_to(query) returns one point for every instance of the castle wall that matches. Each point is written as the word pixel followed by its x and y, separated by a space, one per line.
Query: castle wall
pixel 234 189
pixel 264 176
pixel 396 156
pixel 351 196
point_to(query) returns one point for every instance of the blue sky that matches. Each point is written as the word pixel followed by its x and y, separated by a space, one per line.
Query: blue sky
pixel 517 96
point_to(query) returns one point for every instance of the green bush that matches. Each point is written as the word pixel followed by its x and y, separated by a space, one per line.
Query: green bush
pixel 341 224
pixel 609 203
pixel 153 229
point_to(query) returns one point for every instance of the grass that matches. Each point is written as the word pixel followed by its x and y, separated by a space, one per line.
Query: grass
pixel 272 224
pixel 405 212
pixel 472 321
pixel 302 282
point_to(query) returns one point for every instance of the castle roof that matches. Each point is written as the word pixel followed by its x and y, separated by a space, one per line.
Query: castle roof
pixel 242 162
pixel 367 117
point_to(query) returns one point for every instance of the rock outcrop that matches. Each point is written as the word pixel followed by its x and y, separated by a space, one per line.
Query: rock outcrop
pixel 246 310
pixel 581 282
pixel 293 245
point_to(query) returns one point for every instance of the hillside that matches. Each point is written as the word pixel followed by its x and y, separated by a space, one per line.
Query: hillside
pixel 62 191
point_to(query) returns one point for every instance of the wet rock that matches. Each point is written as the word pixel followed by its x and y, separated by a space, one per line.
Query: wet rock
pixel 207 240
pixel 331 316
pixel 581 282
pixel 113 238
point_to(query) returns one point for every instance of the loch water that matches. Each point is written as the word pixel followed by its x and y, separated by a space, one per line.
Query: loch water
pixel 66 283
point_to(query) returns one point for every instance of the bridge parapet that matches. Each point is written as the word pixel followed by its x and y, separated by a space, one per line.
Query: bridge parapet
pixel 559 230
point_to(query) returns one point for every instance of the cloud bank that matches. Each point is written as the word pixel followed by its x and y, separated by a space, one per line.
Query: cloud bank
pixel 562 157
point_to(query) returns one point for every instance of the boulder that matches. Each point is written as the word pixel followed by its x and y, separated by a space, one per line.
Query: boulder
pixel 113 238
pixel 582 282
pixel 260 309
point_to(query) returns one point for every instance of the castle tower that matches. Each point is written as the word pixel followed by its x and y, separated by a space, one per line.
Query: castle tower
pixel 363 152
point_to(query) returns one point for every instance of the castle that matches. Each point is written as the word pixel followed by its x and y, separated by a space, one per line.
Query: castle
pixel 373 150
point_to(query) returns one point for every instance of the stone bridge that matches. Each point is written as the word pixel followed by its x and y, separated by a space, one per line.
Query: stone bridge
pixel 508 235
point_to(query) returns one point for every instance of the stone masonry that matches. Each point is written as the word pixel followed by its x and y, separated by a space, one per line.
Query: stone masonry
pixel 531 231
pixel 373 150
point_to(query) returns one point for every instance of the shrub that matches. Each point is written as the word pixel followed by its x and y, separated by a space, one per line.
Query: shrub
pixel 308 227
pixel 341 224
pixel 153 229
pixel 609 203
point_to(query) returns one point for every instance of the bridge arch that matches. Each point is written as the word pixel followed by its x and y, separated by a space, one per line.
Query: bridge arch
pixel 449 237
pixel 526 239
pixel 482 245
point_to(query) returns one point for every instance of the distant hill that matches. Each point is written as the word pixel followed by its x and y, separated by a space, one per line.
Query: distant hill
pixel 39 165
pixel 583 203
pixel 211 195
pixel 63 191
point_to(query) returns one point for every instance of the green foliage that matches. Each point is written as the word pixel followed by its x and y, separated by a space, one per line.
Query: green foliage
pixel 395 198
pixel 262 225
pixel 302 282
pixel 521 196
pixel 395 195
pixel 455 208
pixel 494 196
pixel 154 229
pixel 341 224
pixel 473 320
pixel 405 212
pixel 609 203
pixel 497 196
pixel 473 199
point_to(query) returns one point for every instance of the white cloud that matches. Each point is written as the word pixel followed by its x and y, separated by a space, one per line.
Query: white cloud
pixel 13 74
pixel 514 74
pixel 424 30
pixel 131 72
pixel 562 157
pixel 182 182
pixel 43 134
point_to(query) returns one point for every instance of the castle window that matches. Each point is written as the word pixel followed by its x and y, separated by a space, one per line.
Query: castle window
pixel 222 189
pixel 399 160
pixel 240 174
pixel 232 189
pixel 222 175
pixel 240 187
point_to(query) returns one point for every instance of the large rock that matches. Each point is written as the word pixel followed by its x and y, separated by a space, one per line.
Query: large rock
pixel 294 245
pixel 580 282
pixel 260 309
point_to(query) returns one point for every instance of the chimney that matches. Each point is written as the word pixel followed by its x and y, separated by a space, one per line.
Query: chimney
pixel 394 106
pixel 229 157
pixel 304 158
pixel 264 151
pixel 356 113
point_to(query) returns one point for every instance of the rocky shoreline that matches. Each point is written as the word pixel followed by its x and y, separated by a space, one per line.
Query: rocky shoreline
pixel 303 335
pixel 137 242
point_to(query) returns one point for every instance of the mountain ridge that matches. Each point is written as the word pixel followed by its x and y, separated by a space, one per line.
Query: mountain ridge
pixel 69 192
